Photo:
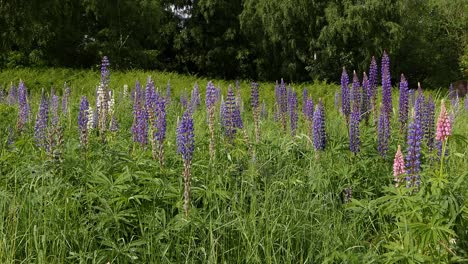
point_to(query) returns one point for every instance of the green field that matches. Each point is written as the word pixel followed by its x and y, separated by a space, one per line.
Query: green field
pixel 114 203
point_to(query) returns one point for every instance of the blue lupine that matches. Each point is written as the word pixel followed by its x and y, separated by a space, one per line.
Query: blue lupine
pixel 292 107
pixel 345 96
pixel 168 93
pixel 229 112
pixel 318 125
pixel 282 103
pixel 373 71
pixel 354 133
pixel 403 103
pixel 54 105
pixel 356 92
pixel 413 156
pixel 386 84
pixel 309 109
pixel 210 100
pixel 24 108
pixel 83 120
pixel 12 95
pixel 383 132
pixel 42 118
pixel 105 73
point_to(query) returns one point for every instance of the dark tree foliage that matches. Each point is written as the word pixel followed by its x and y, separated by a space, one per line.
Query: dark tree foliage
pixel 259 39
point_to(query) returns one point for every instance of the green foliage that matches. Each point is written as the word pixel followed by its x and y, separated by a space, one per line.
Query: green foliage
pixel 114 203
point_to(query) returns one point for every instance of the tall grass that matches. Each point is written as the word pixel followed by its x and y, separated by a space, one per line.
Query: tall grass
pixel 114 203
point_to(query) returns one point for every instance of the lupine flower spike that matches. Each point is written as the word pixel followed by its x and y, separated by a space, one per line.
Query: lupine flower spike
pixel 354 137
pixel 413 157
pixel 345 97
pixel 403 104
pixel 255 110
pixel 319 127
pixel 24 109
pixel 210 100
pixel 386 84
pixel 83 119
pixel 398 167
pixel 444 124
pixel 185 146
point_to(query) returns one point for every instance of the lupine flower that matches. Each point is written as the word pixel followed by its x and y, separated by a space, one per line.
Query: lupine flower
pixel 210 100
pixel 444 124
pixel 42 118
pixel 383 132
pixel 292 105
pixel 282 103
pixel 159 127
pixel 429 119
pixel 365 99
pixel 304 100
pixel 229 110
pixel 95 119
pixel 238 97
pixel 150 98
pixel 255 109
pixel 398 167
pixel 373 71
pixel 386 84
pixel 345 97
pixel 309 109
pixel 12 95
pixel 140 120
pixel 101 107
pixel 354 135
pixel 453 94
pixel 403 103
pixel 83 118
pixel 413 156
pixel 195 98
pixel 91 115
pixel 54 105
pixel 105 73
pixel 185 146
pixel 114 125
pixel 356 92
pixel 411 98
pixel 419 108
pixel 319 127
pixel 264 111
pixel 24 109
pixel 65 98
pixel 337 100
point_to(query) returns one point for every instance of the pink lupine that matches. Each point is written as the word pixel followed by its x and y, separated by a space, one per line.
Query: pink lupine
pixel 398 167
pixel 444 124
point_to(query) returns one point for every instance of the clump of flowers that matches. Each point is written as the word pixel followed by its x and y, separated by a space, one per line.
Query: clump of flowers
pixel 281 97
pixel 185 147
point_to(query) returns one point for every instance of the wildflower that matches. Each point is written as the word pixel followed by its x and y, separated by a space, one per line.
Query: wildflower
pixel 255 109
pixel 91 118
pixel 398 167
pixel 403 103
pixel 386 84
pixel 24 108
pixel 304 100
pixel 356 92
pixel 354 137
pixel 210 100
pixel 105 73
pixel 281 96
pixel 83 119
pixel 365 98
pixel 114 124
pixel 383 132
pixel 185 147
pixel 12 95
pixel 264 111
pixel 292 107
pixel 168 93
pixel 229 112
pixel 195 98
pixel 319 127
pixel 444 124
pixel 54 105
pixel 140 121
pixel 413 156
pixel 373 71
pixel 345 98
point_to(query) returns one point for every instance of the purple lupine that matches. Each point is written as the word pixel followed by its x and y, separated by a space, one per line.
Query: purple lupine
pixel 83 121
pixel 292 107
pixel 373 71
pixel 42 118
pixel 318 125
pixel 365 99
pixel 413 156
pixel 354 133
pixel 345 96
pixel 337 100
pixel 12 95
pixel 309 109
pixel 210 101
pixel 282 103
pixel 140 118
pixel 305 95
pixel 54 105
pixel 185 146
pixel 65 99
pixel 159 126
pixel 254 100
pixel 264 111
pixel 386 84
pixel 419 108
pixel 114 124
pixel 383 132
pixel 229 110
pixel 356 92
pixel 150 98
pixel 411 98
pixel 195 98
pixel 429 123
pixel 222 113
pixel 403 103
pixel 24 108
pixel 105 73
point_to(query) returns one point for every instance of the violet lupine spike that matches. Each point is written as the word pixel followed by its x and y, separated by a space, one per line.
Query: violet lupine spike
pixel 305 95
pixel 403 107
pixel 413 156
pixel 254 97
pixel 264 111
pixel 356 92
pixel 150 97
pixel 185 146
pixel 83 120
pixel 411 98
pixel 345 95
pixel 309 109
pixel 105 73
pixel 239 97
pixel 398 167
pixel 429 121
pixel 54 105
pixel 419 108
pixel 354 133
pixel 282 102
pixel 292 107
pixel 319 137
pixel 24 108
pixel 140 119
pixel 114 124
pixel 210 100
pixel 365 99
pixel 383 132
pixel 12 95
pixel 386 84
pixel 230 108
pixel 65 99
pixel 373 71
pixel 42 119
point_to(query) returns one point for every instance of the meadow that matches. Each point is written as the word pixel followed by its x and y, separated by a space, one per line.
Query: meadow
pixel 271 190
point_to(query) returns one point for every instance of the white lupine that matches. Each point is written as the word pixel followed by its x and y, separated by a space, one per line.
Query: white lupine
pixel 111 103
pixel 90 119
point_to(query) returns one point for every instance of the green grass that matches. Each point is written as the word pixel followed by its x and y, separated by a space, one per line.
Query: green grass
pixel 115 203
